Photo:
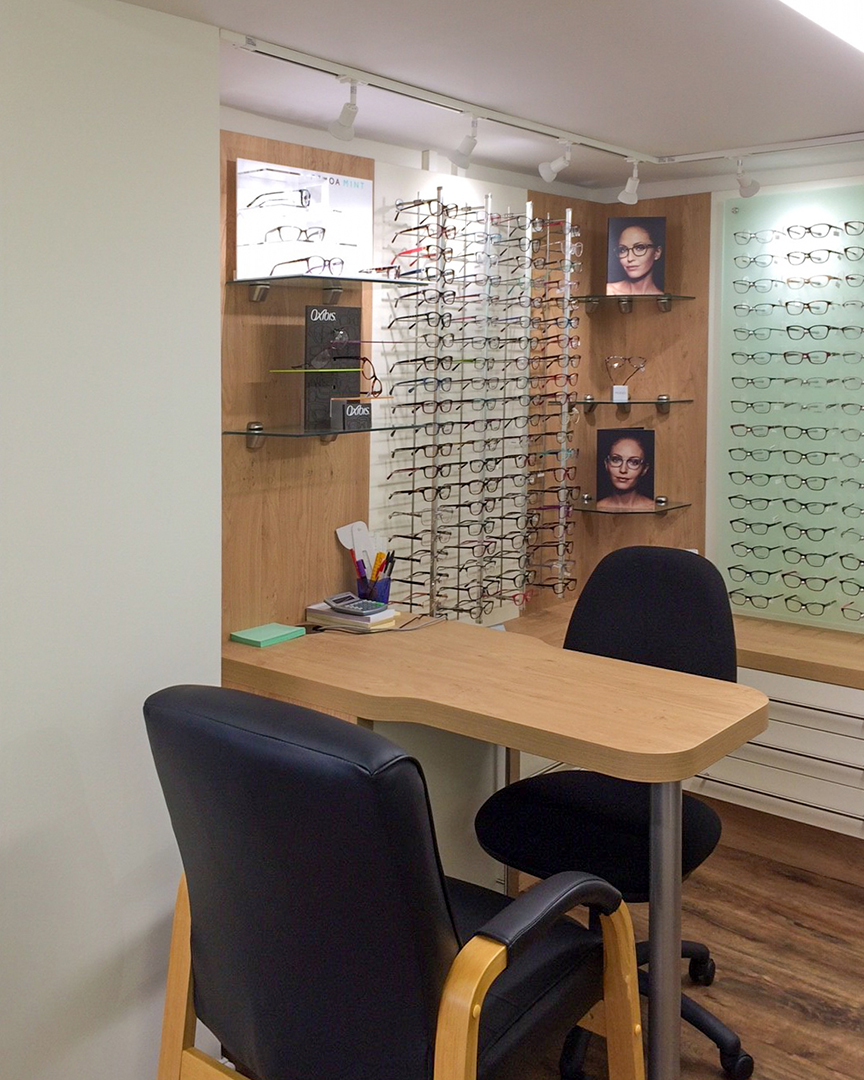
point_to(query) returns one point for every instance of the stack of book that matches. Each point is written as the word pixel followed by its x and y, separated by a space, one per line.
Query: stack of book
pixel 322 615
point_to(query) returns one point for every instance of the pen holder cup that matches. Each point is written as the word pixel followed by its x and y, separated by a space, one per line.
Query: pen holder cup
pixel 374 590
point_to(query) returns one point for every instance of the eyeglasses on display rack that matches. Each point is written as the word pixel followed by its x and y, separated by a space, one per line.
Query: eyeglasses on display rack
pixel 812 532
pixel 793 307
pixel 811 558
pixel 757 551
pixel 794 506
pixel 758 577
pixel 758 528
pixel 850 587
pixel 822 229
pixel 812 607
pixel 758 600
pixel 850 613
pixel 300 197
pixel 793 580
pixel 739 502
pixel 822 255
pixel 293 234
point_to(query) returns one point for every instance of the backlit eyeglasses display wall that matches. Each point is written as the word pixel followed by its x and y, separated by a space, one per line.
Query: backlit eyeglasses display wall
pixel 792 409
pixel 478 367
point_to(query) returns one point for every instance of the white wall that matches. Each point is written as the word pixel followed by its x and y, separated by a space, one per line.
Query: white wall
pixel 109 508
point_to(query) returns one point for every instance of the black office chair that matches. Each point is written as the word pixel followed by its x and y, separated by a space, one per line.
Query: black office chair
pixel 326 942
pixel 650 605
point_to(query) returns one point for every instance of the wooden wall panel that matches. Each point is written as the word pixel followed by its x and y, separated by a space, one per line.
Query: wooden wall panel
pixel 675 344
pixel 281 503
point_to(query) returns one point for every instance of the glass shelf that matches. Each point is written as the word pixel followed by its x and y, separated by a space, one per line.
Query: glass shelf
pixel 592 508
pixel 259 288
pixel 593 301
pixel 662 403
pixel 256 433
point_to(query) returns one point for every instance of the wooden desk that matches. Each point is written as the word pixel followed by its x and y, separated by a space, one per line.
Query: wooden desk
pixel 627 720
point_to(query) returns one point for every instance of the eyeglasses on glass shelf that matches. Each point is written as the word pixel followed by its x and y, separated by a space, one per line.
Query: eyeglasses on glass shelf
pixel 312 264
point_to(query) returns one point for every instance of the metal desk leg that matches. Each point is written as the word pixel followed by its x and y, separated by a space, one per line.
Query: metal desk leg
pixel 664 995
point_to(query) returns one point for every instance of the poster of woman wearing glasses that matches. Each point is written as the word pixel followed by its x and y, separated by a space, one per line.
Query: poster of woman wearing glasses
pixel 625 469
pixel 636 256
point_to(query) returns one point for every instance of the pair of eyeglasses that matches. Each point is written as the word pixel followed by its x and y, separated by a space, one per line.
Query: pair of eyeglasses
pixel 812 607
pixel 448 232
pixel 851 614
pixel 758 528
pixel 792 457
pixel 822 255
pixel 791 307
pixel 756 406
pixel 795 532
pixel 822 331
pixel 793 580
pixel 791 480
pixel 850 587
pixel 811 558
pixel 852 511
pixel 822 229
pixel 299 197
pixel 292 234
pixel 630 464
pixel 312 264
pixel 792 357
pixel 758 600
pixel 757 503
pixel 791 431
pixel 758 551
pixel 429 206
pixel 759 577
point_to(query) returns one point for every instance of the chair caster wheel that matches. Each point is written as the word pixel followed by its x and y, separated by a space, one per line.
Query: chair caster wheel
pixel 737 1066
pixel 702 973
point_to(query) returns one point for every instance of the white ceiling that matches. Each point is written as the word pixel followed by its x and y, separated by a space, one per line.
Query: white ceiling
pixel 660 77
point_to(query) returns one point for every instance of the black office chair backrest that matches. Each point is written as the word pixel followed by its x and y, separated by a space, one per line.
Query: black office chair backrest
pixel 660 606
pixel 321 930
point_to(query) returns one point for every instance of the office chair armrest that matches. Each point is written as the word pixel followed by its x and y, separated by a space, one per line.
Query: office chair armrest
pixel 516 926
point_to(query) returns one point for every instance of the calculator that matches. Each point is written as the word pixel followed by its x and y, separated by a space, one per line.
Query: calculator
pixel 349 604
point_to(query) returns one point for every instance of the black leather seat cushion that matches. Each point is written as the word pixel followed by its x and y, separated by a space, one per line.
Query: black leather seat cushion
pixel 577 820
pixel 557 981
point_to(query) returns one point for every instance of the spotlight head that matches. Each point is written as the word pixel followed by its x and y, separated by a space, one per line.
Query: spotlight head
pixel 630 193
pixel 549 169
pixel 461 156
pixel 747 186
pixel 343 128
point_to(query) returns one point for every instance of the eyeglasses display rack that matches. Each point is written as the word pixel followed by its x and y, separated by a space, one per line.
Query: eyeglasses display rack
pixel 791 475
pixel 480 489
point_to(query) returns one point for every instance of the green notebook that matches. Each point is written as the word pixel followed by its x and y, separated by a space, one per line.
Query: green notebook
pixel 268 634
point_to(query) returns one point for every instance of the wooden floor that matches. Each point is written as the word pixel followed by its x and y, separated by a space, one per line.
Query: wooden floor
pixel 789 948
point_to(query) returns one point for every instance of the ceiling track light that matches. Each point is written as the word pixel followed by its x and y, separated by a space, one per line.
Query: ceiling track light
pixel 343 127
pixel 549 169
pixel 747 186
pixel 461 156
pixel 629 194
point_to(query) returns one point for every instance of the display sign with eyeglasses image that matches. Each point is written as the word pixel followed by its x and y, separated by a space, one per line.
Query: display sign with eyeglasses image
pixel 636 256
pixel 789 463
pixel 299 223
pixel 625 470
